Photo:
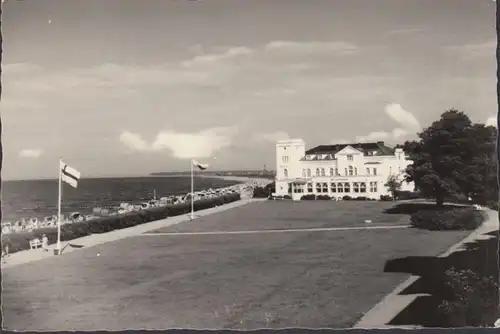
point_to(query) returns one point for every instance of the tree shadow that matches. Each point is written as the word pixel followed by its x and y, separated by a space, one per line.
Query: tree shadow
pixel 481 257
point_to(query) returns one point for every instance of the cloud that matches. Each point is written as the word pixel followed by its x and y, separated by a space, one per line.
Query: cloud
pixel 339 47
pixel 395 111
pixel 492 121
pixel 473 51
pixel 402 116
pixel 30 153
pixel 183 145
pixel 271 137
pixel 210 59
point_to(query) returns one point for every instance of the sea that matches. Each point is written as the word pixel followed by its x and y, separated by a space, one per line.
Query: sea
pixel 38 198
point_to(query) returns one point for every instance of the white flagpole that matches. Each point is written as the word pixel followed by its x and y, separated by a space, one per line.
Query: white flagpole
pixel 59 209
pixel 192 190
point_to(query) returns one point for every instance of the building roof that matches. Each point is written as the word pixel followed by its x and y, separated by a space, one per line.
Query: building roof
pixel 368 149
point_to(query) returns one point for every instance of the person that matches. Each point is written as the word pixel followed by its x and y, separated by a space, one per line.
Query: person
pixel 45 243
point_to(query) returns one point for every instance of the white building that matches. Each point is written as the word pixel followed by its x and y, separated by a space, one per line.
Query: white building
pixel 356 170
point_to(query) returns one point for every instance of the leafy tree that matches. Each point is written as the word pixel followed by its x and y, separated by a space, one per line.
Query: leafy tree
pixel 393 184
pixel 454 157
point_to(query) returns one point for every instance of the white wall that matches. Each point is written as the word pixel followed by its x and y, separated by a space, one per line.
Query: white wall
pixel 290 152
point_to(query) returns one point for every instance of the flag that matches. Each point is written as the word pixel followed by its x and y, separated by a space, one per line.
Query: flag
pixel 200 165
pixel 69 175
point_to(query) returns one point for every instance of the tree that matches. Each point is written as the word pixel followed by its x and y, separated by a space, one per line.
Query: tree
pixel 393 184
pixel 454 157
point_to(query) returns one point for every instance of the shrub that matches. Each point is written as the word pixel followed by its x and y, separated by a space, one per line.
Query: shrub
pixel 406 195
pixel 385 198
pixel 347 198
pixel 471 304
pixel 454 219
pixel 309 197
pixel 287 197
pixel 20 240
pixel 360 198
pixel 323 197
pixel 260 192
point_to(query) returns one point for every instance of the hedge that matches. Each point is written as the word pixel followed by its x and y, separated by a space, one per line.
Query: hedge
pixel 264 192
pixel 20 240
pixel 455 219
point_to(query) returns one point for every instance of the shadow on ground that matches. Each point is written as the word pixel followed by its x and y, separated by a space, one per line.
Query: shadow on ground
pixel 480 257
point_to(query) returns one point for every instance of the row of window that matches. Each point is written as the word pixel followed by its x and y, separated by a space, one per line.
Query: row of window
pixel 350 171
pixel 336 187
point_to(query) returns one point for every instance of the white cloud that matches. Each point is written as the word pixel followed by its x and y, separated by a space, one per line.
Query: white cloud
pixel 271 137
pixel 339 47
pixel 492 121
pixel 209 59
pixel 397 113
pixel 373 136
pixel 30 153
pixel 402 116
pixel 183 145
pixel 472 51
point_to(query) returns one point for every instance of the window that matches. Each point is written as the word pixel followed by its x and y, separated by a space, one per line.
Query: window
pixel 318 187
pixel 325 187
pixel 374 171
pixel 298 188
pixel 290 187
pixel 285 159
pixel 347 187
pixel 309 187
pixel 285 171
pixel 309 172
pixel 346 171
pixel 355 171
pixel 373 187
pixel 331 172
pixel 349 157
pixel 362 187
pixel 333 187
pixel 356 187
pixel 303 173
pixel 317 171
pixel 322 172
pixel 340 187
pixel 368 171
pixel 351 171
pixel 337 172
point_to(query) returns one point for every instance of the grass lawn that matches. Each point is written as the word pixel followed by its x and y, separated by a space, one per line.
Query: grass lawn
pixel 247 281
pixel 293 215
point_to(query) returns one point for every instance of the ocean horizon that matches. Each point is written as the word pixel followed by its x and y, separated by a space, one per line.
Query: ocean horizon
pixel 38 198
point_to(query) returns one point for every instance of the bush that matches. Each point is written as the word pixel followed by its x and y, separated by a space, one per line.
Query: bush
pixel 20 240
pixel 454 219
pixel 309 197
pixel 385 198
pixel 407 195
pixel 347 198
pixel 323 197
pixel 260 192
pixel 471 304
pixel 360 198
pixel 287 197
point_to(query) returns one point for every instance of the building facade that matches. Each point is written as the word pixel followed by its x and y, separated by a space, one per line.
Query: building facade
pixel 356 170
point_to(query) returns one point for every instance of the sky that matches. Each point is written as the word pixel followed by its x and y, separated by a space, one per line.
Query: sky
pixel 130 87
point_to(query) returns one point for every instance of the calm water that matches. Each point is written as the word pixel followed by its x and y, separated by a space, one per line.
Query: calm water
pixel 38 198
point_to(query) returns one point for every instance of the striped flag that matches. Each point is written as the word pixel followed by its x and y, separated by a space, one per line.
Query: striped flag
pixel 69 175
pixel 200 165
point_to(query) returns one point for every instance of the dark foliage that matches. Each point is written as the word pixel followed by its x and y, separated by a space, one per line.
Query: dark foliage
pixel 454 157
pixel 462 288
pixel 287 197
pixel 454 219
pixel 386 198
pixel 347 198
pixel 406 195
pixel 20 241
pixel 323 197
pixel 264 192
pixel 308 197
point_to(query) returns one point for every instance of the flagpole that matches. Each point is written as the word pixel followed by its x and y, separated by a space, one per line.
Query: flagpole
pixel 192 190
pixel 59 209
